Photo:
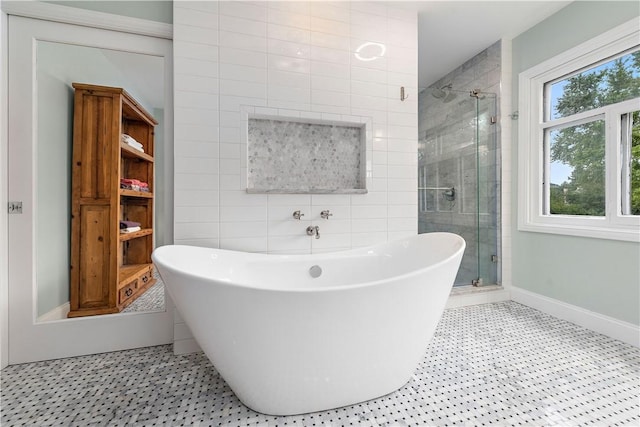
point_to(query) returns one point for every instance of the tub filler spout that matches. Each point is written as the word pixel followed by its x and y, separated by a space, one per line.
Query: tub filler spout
pixel 313 230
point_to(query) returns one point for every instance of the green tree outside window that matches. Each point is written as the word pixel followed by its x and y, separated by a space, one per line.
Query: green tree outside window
pixel 582 147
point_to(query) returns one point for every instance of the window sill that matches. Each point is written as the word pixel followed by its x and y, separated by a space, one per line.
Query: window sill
pixel 608 233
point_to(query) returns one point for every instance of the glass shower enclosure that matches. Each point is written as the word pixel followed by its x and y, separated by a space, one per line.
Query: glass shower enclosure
pixel 459 176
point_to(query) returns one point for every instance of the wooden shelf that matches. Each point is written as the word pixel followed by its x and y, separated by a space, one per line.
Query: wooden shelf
pixel 128 271
pixel 133 193
pixel 132 153
pixel 128 236
pixel 109 269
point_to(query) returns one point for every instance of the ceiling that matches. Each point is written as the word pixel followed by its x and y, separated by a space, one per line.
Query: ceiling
pixel 451 32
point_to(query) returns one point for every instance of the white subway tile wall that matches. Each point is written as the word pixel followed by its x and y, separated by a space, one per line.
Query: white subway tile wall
pixel 291 59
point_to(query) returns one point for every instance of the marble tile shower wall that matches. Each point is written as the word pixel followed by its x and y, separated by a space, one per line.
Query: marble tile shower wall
pixel 291 59
pixel 448 151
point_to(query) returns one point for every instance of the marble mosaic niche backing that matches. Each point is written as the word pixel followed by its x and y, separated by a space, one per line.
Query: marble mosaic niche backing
pixel 291 156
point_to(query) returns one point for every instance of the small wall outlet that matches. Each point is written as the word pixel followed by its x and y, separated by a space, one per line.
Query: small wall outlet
pixel 15 207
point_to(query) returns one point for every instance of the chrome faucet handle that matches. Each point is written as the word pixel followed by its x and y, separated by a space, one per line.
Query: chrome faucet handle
pixel 325 214
pixel 297 214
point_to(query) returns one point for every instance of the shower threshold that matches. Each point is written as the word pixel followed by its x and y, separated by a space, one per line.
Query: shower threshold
pixel 470 289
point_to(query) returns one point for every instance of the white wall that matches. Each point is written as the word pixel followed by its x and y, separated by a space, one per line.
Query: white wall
pixel 292 59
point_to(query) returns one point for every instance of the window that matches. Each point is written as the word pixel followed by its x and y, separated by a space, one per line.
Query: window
pixel 630 127
pixel 579 140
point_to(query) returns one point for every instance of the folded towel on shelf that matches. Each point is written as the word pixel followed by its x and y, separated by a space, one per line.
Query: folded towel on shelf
pixel 131 142
pixel 129 181
pixel 129 224
pixel 128 139
pixel 130 184
pixel 140 149
pixel 130 229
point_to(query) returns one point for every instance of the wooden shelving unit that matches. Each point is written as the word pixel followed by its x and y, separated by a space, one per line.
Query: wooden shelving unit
pixel 109 269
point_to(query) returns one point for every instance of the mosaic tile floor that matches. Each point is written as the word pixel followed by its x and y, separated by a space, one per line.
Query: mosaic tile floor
pixel 500 364
pixel 151 300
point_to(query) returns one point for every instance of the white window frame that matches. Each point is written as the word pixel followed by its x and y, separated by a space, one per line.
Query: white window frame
pixel 531 150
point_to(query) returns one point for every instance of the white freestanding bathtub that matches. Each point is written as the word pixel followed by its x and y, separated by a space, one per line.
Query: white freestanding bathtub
pixel 288 343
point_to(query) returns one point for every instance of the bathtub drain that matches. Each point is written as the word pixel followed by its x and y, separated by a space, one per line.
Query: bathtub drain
pixel 315 271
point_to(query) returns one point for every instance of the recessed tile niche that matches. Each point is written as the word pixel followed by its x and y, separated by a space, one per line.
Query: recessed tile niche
pixel 305 156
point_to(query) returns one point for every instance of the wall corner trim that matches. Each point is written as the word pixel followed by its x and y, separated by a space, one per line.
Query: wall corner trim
pixel 88 18
pixel 609 326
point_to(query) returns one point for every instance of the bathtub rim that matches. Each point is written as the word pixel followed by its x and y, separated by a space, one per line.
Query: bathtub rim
pixel 351 286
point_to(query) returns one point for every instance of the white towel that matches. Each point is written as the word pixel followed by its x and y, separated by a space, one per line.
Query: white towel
pixel 135 147
pixel 130 229
pixel 131 141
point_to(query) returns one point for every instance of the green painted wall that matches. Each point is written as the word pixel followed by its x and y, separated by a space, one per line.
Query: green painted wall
pixel 596 274
pixel 160 11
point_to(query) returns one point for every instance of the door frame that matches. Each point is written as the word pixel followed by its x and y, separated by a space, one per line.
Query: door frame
pixel 4 241
pixel 97 20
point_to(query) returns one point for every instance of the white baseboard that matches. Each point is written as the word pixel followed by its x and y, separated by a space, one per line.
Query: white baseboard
pixel 58 313
pixel 609 326
pixel 186 347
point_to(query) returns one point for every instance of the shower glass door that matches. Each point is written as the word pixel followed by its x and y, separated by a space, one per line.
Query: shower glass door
pixel 488 182
pixel 459 178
